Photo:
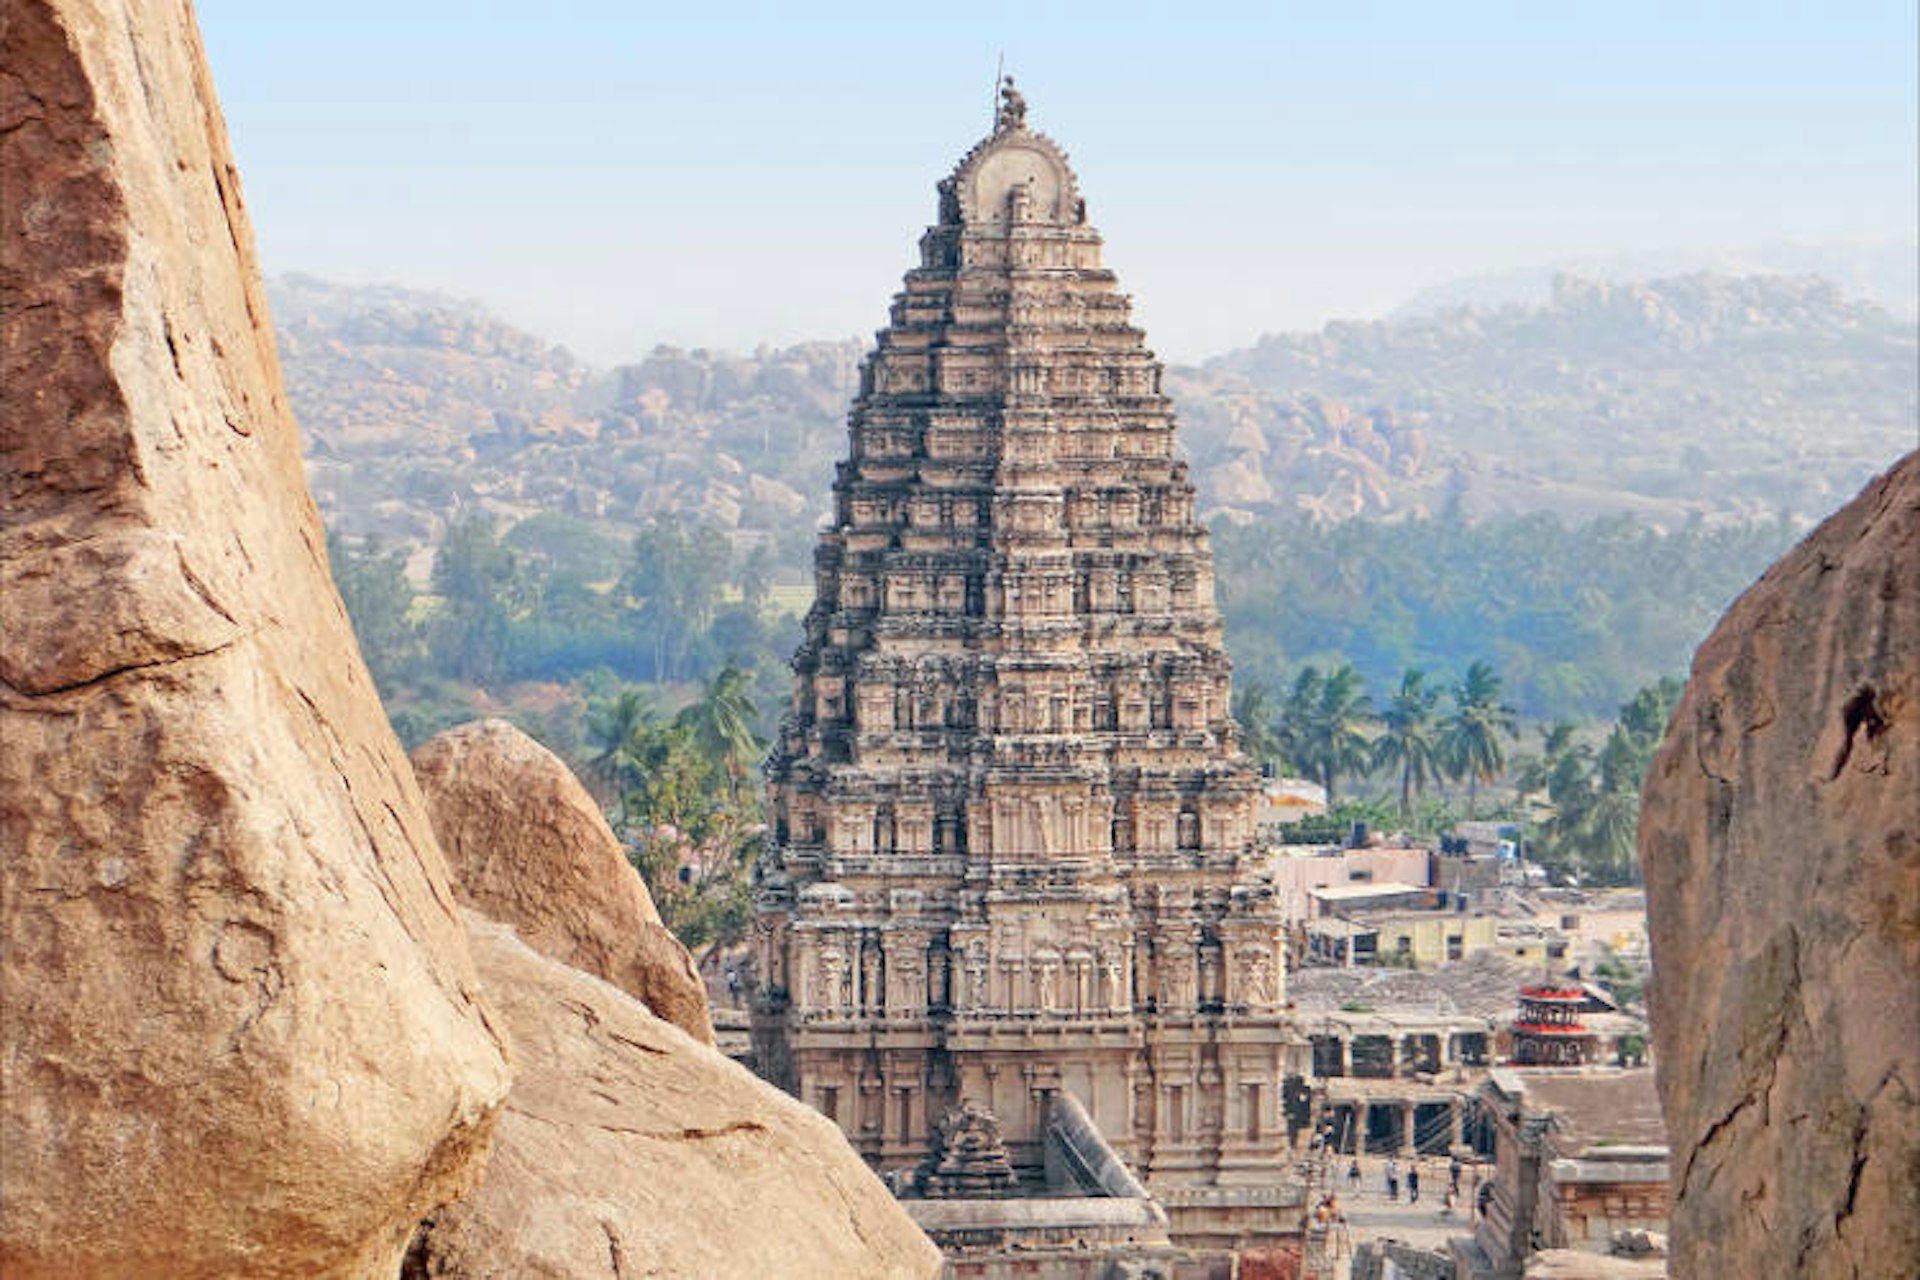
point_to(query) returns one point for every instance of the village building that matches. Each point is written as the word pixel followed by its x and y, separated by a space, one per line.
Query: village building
pixel 1298 871
pixel 1579 1162
pixel 1364 921
pixel 1397 1054
pixel 1282 801
pixel 1012 852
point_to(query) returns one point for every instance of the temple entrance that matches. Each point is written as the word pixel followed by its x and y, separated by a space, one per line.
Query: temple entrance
pixel 1433 1128
pixel 1384 1133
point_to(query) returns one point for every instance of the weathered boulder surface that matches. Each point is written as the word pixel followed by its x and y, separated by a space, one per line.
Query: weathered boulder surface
pixel 240 1030
pixel 1780 839
pixel 528 846
pixel 1575 1264
pixel 627 1147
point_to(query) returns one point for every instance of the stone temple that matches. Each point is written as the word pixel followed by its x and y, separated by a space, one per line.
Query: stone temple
pixel 1011 848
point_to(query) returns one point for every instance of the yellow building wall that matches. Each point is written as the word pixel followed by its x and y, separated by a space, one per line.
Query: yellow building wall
pixel 1425 939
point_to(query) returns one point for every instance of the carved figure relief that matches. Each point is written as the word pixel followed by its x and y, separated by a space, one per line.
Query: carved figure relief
pixel 870 992
pixel 906 984
pixel 1209 975
pixel 1189 829
pixel 833 980
pixel 1259 980
pixel 1046 974
pixel 977 976
pixel 1176 980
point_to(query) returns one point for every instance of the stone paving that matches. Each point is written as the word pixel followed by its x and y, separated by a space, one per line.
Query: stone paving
pixel 1370 1215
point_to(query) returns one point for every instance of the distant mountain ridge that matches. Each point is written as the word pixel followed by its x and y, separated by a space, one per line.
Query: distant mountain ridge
pixel 1695 396
pixel 1886 273
pixel 1669 400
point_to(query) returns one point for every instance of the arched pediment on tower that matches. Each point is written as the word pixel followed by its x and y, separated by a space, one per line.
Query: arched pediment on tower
pixel 1017 175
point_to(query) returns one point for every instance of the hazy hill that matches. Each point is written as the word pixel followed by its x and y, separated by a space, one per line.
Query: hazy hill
pixel 415 406
pixel 1886 273
pixel 1699 395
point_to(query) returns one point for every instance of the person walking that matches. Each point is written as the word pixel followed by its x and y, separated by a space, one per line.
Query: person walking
pixel 1453 1175
pixel 1353 1176
pixel 1413 1183
pixel 1393 1178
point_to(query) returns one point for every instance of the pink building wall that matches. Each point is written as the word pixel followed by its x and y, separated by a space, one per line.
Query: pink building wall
pixel 1294 876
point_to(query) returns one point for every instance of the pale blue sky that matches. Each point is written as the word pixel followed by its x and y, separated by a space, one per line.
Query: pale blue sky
pixel 612 175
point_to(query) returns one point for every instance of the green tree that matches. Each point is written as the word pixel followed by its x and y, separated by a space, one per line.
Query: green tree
pixel 1336 824
pixel 1333 737
pixel 1407 744
pixel 721 721
pixel 1607 828
pixel 481 589
pixel 1644 719
pixel 756 578
pixel 1254 709
pixel 1470 737
pixel 678 786
pixel 1294 731
pixel 691 841
pixel 1596 794
pixel 676 576
pixel 618 729
pixel 373 585
pixel 569 546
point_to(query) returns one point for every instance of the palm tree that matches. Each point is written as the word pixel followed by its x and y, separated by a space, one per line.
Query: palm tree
pixel 618 728
pixel 1470 737
pixel 1293 733
pixel 1408 744
pixel 721 723
pixel 1336 742
pixel 1608 826
pixel 1253 708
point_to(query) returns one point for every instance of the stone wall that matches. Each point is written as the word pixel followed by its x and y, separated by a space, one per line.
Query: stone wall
pixel 1395 1260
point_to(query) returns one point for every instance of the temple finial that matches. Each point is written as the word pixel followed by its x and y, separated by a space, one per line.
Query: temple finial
pixel 1013 108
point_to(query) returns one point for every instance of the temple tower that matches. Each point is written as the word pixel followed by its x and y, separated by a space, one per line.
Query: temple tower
pixel 1011 830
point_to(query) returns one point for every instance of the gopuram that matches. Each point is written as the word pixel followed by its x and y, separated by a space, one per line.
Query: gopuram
pixel 1011 837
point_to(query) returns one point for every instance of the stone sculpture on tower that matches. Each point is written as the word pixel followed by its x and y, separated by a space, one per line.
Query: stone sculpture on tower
pixel 1011 837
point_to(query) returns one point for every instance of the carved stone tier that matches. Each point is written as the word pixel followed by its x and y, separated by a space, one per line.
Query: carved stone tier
pixel 1011 830
pixel 967 1160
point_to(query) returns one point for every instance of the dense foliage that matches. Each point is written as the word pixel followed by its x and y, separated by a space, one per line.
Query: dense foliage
pixel 1575 618
pixel 1574 804
pixel 681 806
pixel 1467 630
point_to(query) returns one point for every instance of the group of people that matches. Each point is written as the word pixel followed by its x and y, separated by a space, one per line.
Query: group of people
pixel 1391 1174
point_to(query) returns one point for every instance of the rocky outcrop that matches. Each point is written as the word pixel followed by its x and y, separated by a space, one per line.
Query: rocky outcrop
pixel 242 1032
pixel 1780 839
pixel 626 1146
pixel 529 847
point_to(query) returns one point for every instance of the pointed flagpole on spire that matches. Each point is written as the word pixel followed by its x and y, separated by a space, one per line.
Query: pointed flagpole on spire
pixel 999 70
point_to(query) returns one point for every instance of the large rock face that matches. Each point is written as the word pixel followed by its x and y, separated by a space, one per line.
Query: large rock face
pixel 1780 838
pixel 241 1033
pixel 529 847
pixel 628 1147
